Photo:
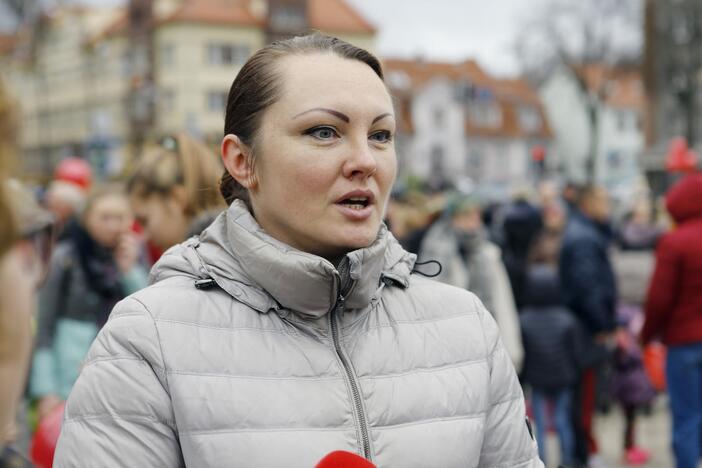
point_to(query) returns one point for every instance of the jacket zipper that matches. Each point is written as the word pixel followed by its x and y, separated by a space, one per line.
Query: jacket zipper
pixel 339 308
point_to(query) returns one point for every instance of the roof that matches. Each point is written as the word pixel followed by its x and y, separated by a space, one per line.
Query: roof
pixel 229 12
pixel 7 43
pixel 420 72
pixel 336 16
pixel 510 95
pixel 621 86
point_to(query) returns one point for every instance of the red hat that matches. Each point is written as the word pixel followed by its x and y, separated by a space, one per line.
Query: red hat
pixel 76 171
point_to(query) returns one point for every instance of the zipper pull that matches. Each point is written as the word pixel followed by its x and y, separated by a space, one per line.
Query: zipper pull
pixel 340 303
pixel 205 283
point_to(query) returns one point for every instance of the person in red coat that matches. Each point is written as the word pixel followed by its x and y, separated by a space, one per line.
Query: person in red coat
pixel 674 314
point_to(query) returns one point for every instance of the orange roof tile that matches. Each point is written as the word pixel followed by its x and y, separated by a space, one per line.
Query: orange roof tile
pixel 622 87
pixel 7 43
pixel 227 12
pixel 214 12
pixel 336 16
pixel 420 72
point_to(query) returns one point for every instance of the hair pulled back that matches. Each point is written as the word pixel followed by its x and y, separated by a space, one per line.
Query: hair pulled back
pixel 257 86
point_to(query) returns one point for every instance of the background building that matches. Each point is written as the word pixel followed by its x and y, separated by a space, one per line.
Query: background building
pixel 75 77
pixel 615 96
pixel 457 122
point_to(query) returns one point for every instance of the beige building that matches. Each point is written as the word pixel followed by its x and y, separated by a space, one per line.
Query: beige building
pixel 73 78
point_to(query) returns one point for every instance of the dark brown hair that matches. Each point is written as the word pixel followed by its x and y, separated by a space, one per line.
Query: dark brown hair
pixel 257 86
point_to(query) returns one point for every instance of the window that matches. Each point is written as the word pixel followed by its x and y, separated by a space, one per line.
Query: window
pixel 166 100
pixel 439 115
pixel 288 18
pixel 166 55
pixel 463 91
pixel 485 114
pixel 529 119
pixel 614 159
pixel 227 54
pixel 474 162
pixel 216 101
pixel 437 161
pixel 399 80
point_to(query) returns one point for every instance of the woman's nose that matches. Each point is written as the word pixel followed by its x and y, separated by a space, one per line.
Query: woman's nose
pixel 360 161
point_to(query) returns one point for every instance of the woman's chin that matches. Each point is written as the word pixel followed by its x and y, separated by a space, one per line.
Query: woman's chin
pixel 359 239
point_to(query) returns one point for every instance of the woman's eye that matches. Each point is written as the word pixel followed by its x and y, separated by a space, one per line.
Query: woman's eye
pixel 322 133
pixel 382 136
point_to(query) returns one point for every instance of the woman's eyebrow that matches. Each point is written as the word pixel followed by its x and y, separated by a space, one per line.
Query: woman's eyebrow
pixel 382 116
pixel 336 114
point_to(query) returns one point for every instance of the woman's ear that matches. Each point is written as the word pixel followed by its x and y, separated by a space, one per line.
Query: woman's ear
pixel 236 157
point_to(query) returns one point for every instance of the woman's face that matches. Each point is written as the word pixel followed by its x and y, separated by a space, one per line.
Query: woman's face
pixel 108 219
pixel 162 218
pixel 325 156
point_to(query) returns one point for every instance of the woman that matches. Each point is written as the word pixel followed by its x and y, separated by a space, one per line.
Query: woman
pixel 90 272
pixel 674 314
pixel 174 190
pixel 292 326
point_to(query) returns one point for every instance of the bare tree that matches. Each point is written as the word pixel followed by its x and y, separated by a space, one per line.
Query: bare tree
pixel 576 33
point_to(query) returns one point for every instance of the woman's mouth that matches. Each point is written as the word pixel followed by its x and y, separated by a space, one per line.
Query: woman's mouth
pixel 357 205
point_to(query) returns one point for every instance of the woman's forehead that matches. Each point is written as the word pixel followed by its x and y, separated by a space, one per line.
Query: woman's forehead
pixel 326 80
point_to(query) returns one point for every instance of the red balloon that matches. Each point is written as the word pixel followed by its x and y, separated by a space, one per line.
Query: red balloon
pixel 45 438
pixel 76 171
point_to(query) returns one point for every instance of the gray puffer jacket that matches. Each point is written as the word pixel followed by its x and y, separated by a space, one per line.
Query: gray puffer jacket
pixel 248 353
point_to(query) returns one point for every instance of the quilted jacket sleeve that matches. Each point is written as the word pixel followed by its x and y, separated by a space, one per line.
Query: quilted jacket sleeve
pixel 119 412
pixel 508 440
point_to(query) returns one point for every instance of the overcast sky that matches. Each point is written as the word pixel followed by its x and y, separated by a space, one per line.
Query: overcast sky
pixel 449 29
pixel 441 29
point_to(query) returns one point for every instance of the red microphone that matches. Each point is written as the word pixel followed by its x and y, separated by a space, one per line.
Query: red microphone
pixel 344 459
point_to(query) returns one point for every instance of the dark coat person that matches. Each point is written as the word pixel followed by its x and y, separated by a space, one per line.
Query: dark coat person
pixel 590 291
pixel 552 344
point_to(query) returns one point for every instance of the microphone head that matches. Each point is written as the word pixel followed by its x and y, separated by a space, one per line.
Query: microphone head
pixel 344 459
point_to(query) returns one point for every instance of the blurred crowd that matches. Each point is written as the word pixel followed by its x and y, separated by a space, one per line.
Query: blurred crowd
pixel 587 303
pixel 570 287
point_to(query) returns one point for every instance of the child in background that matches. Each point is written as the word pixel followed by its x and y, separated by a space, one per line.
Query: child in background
pixel 551 348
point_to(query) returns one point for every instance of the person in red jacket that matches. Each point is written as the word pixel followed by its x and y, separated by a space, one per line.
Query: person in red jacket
pixel 674 314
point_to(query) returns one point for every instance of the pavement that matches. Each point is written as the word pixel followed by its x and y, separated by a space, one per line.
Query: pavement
pixel 652 434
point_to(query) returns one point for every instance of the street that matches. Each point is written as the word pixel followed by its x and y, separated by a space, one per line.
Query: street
pixel 653 434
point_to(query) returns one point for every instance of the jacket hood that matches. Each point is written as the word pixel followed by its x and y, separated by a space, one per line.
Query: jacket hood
pixel 684 199
pixel 264 273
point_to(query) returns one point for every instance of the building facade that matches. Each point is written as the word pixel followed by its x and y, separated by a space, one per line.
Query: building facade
pixel 601 106
pixel 457 123
pixel 73 80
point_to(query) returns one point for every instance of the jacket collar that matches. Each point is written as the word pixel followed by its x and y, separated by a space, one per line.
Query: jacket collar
pixel 602 229
pixel 266 274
